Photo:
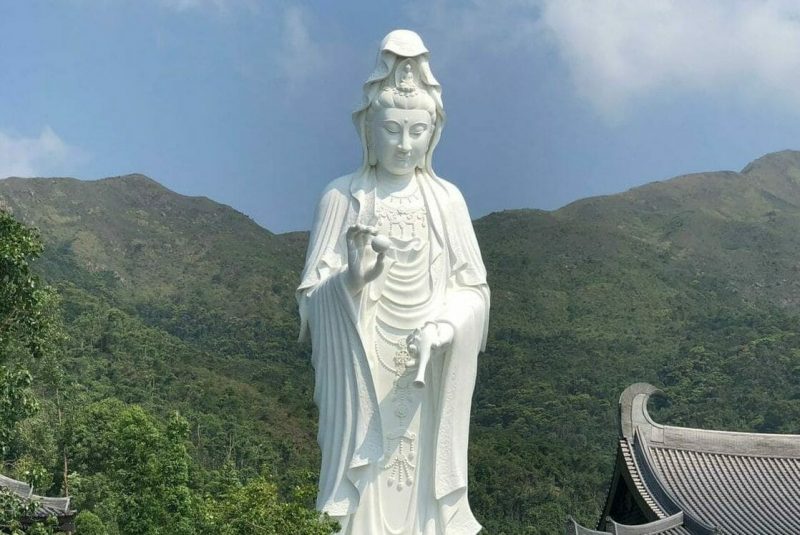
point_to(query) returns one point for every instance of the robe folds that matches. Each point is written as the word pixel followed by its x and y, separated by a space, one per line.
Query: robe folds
pixel 350 433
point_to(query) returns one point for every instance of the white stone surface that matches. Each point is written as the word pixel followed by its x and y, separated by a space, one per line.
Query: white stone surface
pixel 395 299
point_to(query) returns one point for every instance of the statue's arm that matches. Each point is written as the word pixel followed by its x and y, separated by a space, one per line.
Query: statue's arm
pixel 322 256
pixel 467 297
pixel 324 259
pixel 465 309
pixel 466 305
pixel 464 313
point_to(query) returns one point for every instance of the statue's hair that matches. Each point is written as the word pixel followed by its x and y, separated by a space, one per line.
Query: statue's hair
pixel 381 91
pixel 388 98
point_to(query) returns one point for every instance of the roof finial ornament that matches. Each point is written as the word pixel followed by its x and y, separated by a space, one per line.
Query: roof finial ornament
pixel 633 408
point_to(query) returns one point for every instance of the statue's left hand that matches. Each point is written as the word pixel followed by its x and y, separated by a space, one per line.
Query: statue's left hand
pixel 432 335
pixel 424 340
pixel 446 334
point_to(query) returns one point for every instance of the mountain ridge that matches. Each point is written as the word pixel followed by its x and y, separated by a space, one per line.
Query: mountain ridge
pixel 785 160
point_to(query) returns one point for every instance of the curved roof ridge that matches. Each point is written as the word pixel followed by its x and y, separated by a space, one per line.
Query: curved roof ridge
pixel 52 505
pixel 20 488
pixel 651 528
pixel 634 416
pixel 633 409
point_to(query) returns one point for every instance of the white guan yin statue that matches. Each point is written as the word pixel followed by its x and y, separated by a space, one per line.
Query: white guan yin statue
pixel 394 296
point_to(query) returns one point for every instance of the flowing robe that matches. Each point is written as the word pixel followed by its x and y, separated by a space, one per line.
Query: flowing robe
pixel 351 436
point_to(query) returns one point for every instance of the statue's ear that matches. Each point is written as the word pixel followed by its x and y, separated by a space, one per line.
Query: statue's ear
pixel 427 160
pixel 372 158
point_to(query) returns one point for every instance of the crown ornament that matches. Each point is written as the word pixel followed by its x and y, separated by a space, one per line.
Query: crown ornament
pixel 405 84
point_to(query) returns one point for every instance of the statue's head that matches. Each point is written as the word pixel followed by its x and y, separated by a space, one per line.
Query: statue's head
pixel 401 116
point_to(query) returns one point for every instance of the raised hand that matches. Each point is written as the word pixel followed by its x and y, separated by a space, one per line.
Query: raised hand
pixel 364 258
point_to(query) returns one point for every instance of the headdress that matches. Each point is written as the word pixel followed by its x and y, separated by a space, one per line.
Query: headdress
pixel 404 56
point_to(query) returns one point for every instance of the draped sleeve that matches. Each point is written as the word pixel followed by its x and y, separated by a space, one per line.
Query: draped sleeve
pixel 326 253
pixel 349 422
pixel 468 273
pixel 466 308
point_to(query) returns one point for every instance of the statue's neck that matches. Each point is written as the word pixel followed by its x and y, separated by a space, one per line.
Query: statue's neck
pixel 389 184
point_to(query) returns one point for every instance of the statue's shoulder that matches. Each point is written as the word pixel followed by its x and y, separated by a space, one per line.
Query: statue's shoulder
pixel 453 193
pixel 337 189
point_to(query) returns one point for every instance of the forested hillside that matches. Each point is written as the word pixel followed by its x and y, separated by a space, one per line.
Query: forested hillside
pixel 172 303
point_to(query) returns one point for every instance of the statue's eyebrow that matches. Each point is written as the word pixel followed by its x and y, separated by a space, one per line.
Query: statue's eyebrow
pixel 392 123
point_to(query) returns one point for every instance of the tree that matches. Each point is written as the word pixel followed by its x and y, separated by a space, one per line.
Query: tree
pixel 256 509
pixel 26 334
pixel 88 523
pixel 129 470
pixel 25 303
pixel 23 329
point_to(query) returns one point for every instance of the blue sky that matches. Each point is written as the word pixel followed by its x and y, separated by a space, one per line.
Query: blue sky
pixel 248 102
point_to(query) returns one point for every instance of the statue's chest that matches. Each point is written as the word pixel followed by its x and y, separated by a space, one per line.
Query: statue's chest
pixel 405 294
pixel 402 218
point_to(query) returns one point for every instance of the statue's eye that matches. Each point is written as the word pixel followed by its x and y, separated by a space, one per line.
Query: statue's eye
pixel 392 127
pixel 418 129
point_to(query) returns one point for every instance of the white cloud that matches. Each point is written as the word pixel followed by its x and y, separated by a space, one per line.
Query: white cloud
pixel 222 6
pixel 212 7
pixel 45 155
pixel 464 25
pixel 300 57
pixel 618 51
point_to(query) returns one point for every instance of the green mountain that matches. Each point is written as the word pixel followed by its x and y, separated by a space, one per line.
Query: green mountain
pixel 179 303
pixel 174 302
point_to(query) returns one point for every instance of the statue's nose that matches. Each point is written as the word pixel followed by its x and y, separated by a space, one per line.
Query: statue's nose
pixel 405 143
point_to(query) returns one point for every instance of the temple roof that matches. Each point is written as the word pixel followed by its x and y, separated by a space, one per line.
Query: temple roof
pixel 721 481
pixel 46 506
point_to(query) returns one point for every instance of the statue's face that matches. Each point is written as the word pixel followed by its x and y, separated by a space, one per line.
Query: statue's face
pixel 400 139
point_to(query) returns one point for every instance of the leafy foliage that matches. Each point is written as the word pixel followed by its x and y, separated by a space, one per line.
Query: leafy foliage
pixel 19 298
pixel 26 334
pixel 256 509
pixel 21 322
pixel 130 471
pixel 88 523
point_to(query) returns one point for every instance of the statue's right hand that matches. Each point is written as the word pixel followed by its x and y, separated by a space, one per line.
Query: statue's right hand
pixel 363 263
